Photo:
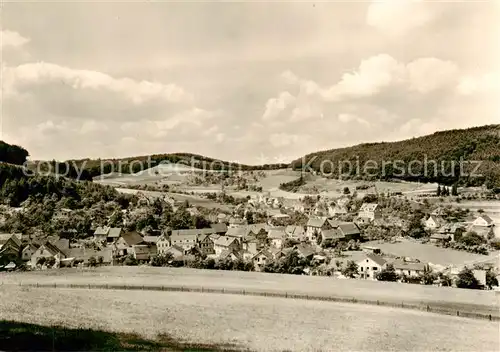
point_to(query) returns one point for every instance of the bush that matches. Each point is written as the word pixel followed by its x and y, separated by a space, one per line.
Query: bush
pixel 388 274
pixel 466 279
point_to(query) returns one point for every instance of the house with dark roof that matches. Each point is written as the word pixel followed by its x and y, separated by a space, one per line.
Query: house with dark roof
pixel 124 245
pixel 28 251
pixel 277 236
pixel 225 243
pixel 10 247
pixel 349 231
pixel 206 244
pixel 107 234
pixel 305 251
pixel 315 226
pixel 219 228
pixel 370 266
pixel 261 259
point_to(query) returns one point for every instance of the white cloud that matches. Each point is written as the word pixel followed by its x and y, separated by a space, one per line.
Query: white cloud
pixel 284 139
pixel 13 39
pixel 137 92
pixel 397 17
pixel 428 74
pixel 348 118
pixel 486 83
pixel 275 106
pixel 289 77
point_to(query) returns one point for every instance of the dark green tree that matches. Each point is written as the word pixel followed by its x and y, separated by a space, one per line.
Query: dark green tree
pixel 466 279
pixel 388 274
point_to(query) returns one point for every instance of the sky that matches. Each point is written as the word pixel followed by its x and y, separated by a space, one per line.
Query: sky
pixel 252 82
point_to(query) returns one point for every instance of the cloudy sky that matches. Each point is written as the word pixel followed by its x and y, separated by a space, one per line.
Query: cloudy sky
pixel 248 82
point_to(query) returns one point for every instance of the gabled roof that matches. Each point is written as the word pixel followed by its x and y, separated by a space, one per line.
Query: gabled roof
pixel 348 229
pixel 376 258
pixel 486 218
pixel 438 220
pixel 132 238
pixel 237 231
pixel 185 232
pixel 305 250
pixel 114 232
pixel 151 239
pixel 332 234
pixel 227 253
pixel 400 265
pixel 294 230
pixel 52 249
pixel 202 237
pixel 101 231
pixel 368 207
pixel 264 252
pixel 276 234
pixel 219 228
pixel 316 222
pixel 4 237
pixel 225 241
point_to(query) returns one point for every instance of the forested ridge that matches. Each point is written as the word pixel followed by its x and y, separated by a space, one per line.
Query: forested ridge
pixel 478 145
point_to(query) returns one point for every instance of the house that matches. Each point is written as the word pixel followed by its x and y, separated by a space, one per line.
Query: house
pixel 261 259
pixel 28 251
pixel 238 232
pixel 124 245
pixel 10 246
pixel 295 232
pixel 337 210
pixel 107 234
pixel 225 243
pixel 258 229
pixel 409 268
pixel 151 239
pixel 235 222
pixel 433 222
pixel 206 244
pixel 163 244
pixel 280 253
pixel 230 254
pixel 483 221
pixel 83 255
pixel 326 237
pixel 439 237
pixel 143 252
pixel 219 228
pixel 305 251
pixel 185 239
pixel 370 211
pixel 349 231
pixel 315 226
pixel 277 237
pixel 370 266
pixel 176 252
pixel 47 250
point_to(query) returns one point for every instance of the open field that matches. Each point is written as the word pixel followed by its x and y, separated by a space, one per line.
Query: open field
pixel 467 300
pixel 429 253
pixel 192 199
pixel 491 208
pixel 256 323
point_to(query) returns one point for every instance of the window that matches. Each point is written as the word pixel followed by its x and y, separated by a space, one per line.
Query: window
pixel 375 268
pixel 361 268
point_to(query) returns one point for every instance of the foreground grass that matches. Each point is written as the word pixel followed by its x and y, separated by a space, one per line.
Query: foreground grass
pixel 15 336
pixel 144 320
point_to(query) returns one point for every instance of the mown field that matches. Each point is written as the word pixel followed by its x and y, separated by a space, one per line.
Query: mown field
pixel 242 322
pixel 464 300
pixel 428 253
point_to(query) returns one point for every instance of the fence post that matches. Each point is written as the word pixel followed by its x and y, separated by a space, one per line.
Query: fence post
pixel 402 304
pixel 458 313
pixel 378 303
pixel 428 309
pixel 286 294
pixel 243 292
pixel 490 317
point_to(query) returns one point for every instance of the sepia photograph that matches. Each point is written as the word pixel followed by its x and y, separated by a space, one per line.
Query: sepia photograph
pixel 250 175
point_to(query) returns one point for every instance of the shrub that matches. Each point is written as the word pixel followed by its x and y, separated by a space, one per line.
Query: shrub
pixel 388 274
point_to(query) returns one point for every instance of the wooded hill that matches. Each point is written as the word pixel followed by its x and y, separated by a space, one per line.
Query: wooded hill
pixel 478 145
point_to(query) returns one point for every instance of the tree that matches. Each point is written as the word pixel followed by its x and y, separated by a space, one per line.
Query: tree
pixel 388 274
pixel 350 270
pixel 491 279
pixel 444 279
pixel 454 189
pixel 92 262
pixel 466 279
pixel 428 277
pixel 162 259
pixel 347 190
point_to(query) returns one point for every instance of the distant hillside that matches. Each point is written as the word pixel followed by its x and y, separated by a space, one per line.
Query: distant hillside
pixel 90 168
pixel 445 148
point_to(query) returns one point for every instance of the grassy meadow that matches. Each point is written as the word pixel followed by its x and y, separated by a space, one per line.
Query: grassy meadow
pixel 154 320
pixel 464 300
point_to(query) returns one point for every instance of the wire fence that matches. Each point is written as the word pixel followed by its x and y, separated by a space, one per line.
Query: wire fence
pixel 427 307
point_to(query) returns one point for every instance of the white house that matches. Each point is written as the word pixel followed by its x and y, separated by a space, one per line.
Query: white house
pixel 483 221
pixel 225 243
pixel 433 222
pixel 162 244
pixel 408 268
pixel 315 226
pixel 370 266
pixel 370 211
pixel 277 237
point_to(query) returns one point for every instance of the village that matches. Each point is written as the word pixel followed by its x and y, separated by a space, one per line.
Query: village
pixel 341 237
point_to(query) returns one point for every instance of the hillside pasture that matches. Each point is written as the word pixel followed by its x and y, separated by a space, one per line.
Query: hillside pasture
pixel 429 253
pixel 269 324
